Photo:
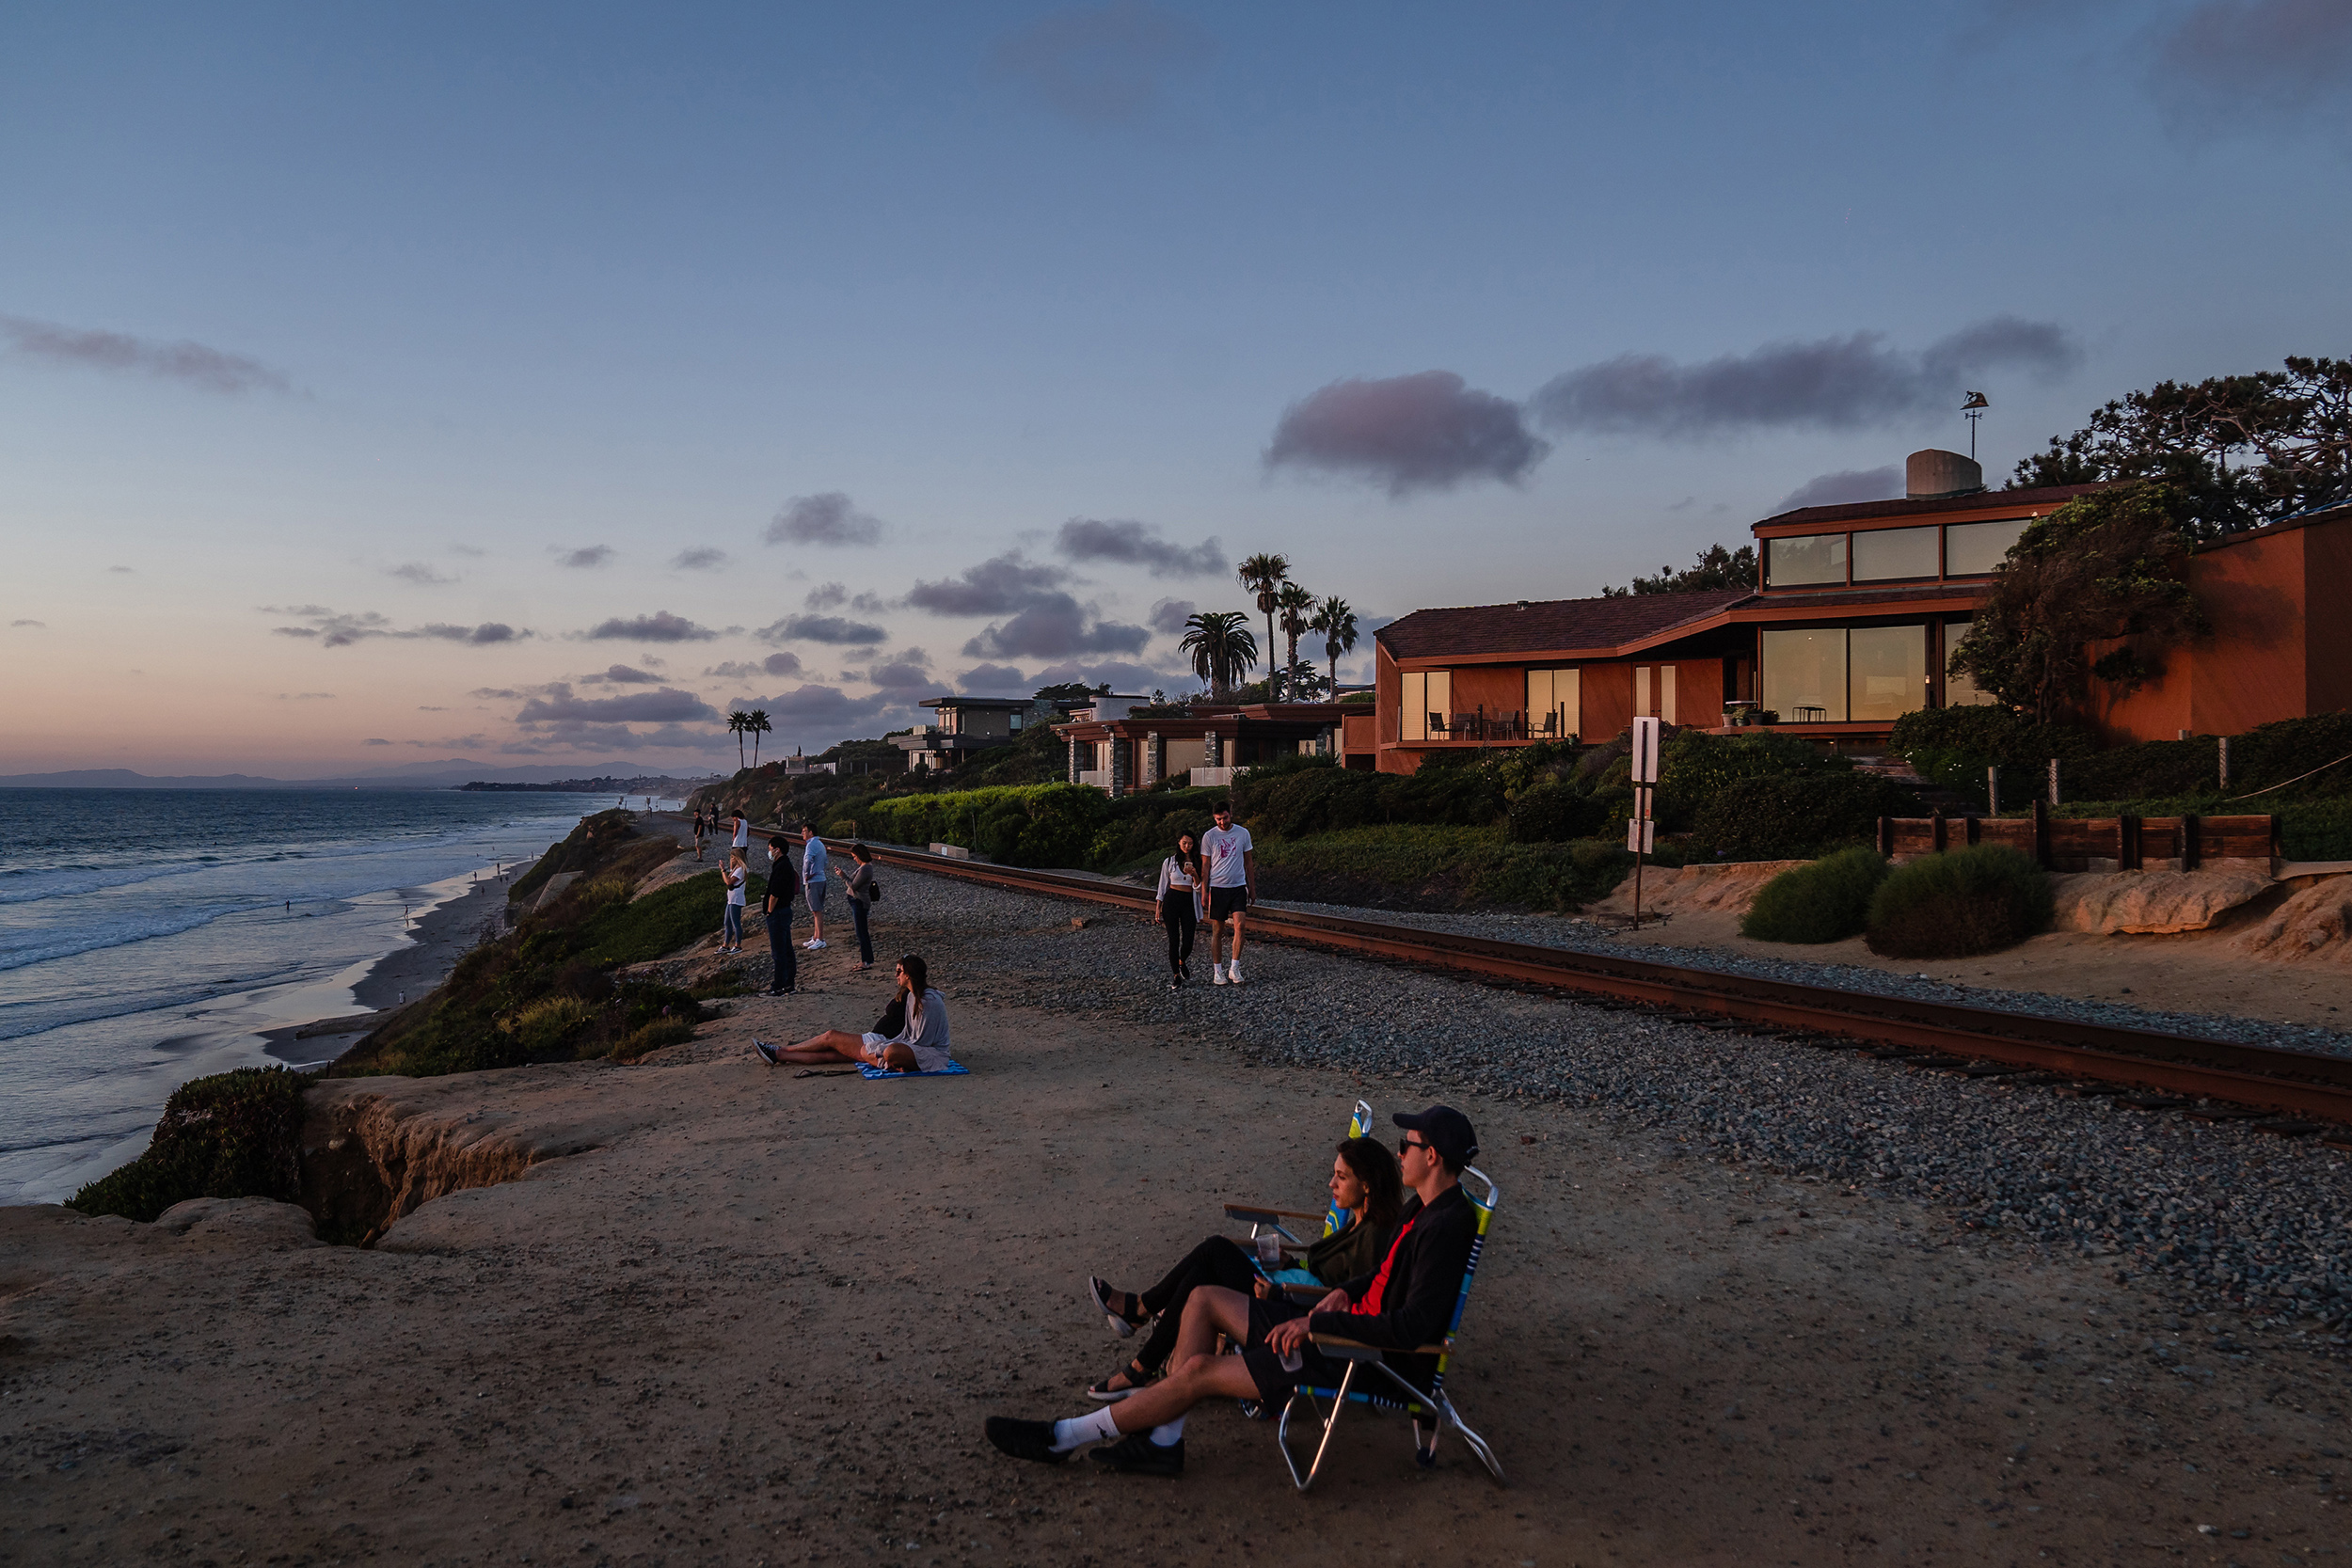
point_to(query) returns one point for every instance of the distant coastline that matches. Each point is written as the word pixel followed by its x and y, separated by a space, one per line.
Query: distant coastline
pixel 668 788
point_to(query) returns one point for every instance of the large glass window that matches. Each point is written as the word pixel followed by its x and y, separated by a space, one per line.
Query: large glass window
pixel 1975 550
pixel 1959 691
pixel 1888 554
pixel 1888 669
pixel 1555 703
pixel 1805 674
pixel 1425 707
pixel 1806 558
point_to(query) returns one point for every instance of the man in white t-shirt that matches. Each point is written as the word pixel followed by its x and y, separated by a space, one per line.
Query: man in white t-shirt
pixel 1232 888
pixel 742 835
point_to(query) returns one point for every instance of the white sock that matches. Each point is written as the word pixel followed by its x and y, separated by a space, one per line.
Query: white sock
pixel 1095 1426
pixel 1168 1434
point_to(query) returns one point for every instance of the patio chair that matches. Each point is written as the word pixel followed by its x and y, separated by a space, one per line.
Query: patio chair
pixel 1371 1361
pixel 1438 728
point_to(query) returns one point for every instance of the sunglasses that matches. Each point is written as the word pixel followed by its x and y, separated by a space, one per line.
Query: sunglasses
pixel 1405 1145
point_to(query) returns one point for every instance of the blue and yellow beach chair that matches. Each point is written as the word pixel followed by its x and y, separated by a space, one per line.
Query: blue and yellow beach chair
pixel 1371 1361
pixel 1260 1218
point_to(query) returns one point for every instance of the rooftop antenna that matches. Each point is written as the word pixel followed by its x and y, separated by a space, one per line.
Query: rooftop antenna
pixel 1974 408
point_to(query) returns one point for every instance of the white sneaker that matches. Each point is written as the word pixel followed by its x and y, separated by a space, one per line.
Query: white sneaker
pixel 1216 974
pixel 811 945
pixel 1233 969
pixel 818 945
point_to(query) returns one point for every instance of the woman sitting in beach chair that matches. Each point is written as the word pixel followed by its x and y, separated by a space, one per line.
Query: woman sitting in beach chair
pixel 921 1045
pixel 1364 1183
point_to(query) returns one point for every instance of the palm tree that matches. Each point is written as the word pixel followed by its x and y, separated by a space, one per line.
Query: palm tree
pixel 755 723
pixel 1221 648
pixel 1263 574
pixel 1336 619
pixel 1296 605
pixel 739 722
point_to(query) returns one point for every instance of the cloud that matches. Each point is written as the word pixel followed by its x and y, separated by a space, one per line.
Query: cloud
pixel 1001 585
pixel 1055 625
pixel 1169 616
pixel 774 664
pixel 458 547
pixel 830 518
pixel 124 571
pixel 986 680
pixel 1138 545
pixel 821 628
pixel 701 558
pixel 330 628
pixel 1848 383
pixel 1423 432
pixel 577 737
pixel 419 574
pixel 29 623
pixel 215 370
pixel 556 704
pixel 306 696
pixel 421 708
pixel 588 555
pixel 828 596
pixel 1106 66
pixel 621 674
pixel 1123 676
pixel 488 632
pixel 2227 62
pixel 373 742
pixel 1844 486
pixel 825 708
pixel 902 670
pixel 660 626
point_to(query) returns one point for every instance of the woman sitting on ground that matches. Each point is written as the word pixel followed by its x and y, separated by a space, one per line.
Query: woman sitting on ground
pixel 919 1047
pixel 1364 1181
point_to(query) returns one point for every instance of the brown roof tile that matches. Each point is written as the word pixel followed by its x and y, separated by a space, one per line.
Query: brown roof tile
pixel 1542 626
pixel 2055 495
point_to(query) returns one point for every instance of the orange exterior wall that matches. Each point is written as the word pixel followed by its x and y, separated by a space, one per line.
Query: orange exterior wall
pixel 1606 691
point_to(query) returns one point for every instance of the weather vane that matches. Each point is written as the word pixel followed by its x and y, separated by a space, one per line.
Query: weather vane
pixel 1974 408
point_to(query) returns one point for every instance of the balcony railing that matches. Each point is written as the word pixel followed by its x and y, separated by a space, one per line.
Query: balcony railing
pixel 1480 725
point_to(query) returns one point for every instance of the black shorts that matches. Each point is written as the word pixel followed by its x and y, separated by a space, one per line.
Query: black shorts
pixel 1275 1385
pixel 1224 901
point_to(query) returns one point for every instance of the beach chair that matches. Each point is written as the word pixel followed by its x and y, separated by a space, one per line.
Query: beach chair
pixel 1371 1362
pixel 1260 1218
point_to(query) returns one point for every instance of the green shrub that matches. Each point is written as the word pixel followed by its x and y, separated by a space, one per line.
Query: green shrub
pixel 1697 767
pixel 1553 811
pixel 1974 900
pixel 1793 816
pixel 234 1135
pixel 651 1037
pixel 664 921
pixel 1038 824
pixel 1827 901
pixel 1421 866
pixel 1953 746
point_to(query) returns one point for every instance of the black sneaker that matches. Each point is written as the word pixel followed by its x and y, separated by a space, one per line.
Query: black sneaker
pixel 1025 1439
pixel 1136 1455
pixel 767 1051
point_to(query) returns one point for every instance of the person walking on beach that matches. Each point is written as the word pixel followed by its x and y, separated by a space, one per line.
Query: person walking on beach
pixel 1179 908
pixel 813 861
pixel 860 888
pixel 778 905
pixel 738 874
pixel 1232 888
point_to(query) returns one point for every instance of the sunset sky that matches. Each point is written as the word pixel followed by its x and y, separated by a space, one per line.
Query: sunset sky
pixel 532 384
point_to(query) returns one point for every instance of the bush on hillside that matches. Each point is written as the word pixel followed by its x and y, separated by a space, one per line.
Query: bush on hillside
pixel 1795 815
pixel 1953 746
pixel 1411 866
pixel 1974 900
pixel 1554 811
pixel 234 1135
pixel 1697 767
pixel 1827 901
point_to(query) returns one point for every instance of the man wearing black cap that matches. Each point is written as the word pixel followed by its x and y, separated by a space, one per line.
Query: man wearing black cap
pixel 1407 1303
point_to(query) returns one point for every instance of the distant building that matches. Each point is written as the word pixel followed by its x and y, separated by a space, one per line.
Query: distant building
pixel 1857 614
pixel 966 724
pixel 1121 745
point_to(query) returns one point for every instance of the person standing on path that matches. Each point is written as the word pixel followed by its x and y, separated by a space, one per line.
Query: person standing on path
pixel 812 860
pixel 701 829
pixel 1179 908
pixel 743 836
pixel 778 906
pixel 739 876
pixel 860 888
pixel 1232 888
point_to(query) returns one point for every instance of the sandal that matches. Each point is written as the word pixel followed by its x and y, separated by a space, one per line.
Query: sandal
pixel 1137 1379
pixel 1125 1318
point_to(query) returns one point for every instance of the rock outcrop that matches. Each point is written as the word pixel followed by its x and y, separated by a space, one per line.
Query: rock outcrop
pixel 260 1221
pixel 2108 903
pixel 2315 924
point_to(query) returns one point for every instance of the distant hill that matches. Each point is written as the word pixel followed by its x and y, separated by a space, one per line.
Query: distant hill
pixel 449 774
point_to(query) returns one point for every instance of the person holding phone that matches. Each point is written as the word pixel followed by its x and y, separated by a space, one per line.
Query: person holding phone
pixel 1180 907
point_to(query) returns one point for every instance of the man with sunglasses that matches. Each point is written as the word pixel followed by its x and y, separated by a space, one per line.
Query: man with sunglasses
pixel 1406 1302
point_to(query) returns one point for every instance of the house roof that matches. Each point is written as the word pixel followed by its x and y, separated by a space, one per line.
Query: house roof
pixel 1546 626
pixel 1977 501
pixel 1006 703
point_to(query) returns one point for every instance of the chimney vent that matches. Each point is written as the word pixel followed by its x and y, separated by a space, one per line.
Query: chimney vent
pixel 1934 474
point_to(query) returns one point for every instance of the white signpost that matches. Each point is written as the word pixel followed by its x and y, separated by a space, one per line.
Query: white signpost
pixel 1641 830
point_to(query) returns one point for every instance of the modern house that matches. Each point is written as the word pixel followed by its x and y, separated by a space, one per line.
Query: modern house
pixel 1858 609
pixel 1129 748
pixel 966 724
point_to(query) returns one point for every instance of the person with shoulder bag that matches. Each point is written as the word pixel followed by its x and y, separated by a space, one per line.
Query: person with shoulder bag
pixel 863 892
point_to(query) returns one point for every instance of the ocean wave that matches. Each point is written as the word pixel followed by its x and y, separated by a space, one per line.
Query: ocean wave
pixel 30 887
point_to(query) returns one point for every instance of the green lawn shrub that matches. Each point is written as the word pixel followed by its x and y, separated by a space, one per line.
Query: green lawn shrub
pixel 1826 901
pixel 234 1135
pixel 1554 811
pixel 1790 816
pixel 1697 767
pixel 1400 865
pixel 1975 900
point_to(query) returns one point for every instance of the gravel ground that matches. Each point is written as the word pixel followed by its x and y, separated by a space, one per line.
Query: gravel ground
pixel 2220 1216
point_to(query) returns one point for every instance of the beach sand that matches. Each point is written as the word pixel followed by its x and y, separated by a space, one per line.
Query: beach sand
pixel 730 1315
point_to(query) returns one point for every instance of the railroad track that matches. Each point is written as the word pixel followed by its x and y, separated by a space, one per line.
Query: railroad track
pixel 2314 1090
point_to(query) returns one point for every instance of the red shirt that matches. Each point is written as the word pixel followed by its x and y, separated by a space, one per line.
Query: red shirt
pixel 1370 1305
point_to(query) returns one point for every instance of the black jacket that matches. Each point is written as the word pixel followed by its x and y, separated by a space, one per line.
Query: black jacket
pixel 1425 1269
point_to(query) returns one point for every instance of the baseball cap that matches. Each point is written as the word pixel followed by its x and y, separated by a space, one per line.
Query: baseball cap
pixel 1444 1129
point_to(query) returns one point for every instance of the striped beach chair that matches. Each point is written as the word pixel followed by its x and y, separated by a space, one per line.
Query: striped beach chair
pixel 1368 1364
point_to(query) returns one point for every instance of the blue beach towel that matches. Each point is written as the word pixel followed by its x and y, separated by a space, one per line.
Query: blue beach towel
pixel 867 1070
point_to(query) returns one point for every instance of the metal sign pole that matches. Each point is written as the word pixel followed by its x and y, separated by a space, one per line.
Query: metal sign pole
pixel 1639 832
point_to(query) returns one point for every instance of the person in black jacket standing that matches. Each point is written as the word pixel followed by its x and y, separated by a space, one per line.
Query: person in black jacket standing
pixel 1407 1302
pixel 779 906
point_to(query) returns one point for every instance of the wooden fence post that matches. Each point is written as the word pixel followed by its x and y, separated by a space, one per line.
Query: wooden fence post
pixel 2191 856
pixel 2127 843
pixel 2042 833
pixel 1886 837
pixel 1942 830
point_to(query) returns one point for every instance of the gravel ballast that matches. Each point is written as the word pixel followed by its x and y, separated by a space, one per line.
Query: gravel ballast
pixel 2222 1216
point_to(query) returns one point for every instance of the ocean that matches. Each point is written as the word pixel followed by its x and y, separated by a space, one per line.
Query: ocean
pixel 149 936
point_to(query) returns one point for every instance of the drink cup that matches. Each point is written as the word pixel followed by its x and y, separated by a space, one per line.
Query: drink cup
pixel 1270 1251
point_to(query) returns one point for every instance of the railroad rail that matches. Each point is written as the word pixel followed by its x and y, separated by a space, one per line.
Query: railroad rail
pixel 2296 1083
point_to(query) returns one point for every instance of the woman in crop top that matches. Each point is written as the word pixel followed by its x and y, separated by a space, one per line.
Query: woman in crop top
pixel 1180 907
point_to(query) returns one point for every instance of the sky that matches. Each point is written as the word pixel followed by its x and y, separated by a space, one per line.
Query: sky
pixel 534 384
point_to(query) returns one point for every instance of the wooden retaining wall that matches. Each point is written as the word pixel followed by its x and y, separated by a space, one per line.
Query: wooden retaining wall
pixel 2091 844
